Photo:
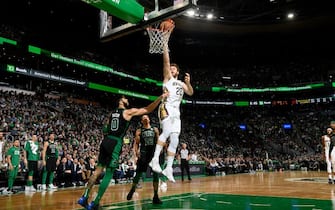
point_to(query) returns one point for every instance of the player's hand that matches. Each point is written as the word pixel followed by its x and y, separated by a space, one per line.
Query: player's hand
pixel 187 78
pixel 44 163
pixel 165 94
pixel 167 25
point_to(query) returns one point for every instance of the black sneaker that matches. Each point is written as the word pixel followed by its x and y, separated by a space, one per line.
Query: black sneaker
pixel 156 200
pixel 130 194
pixel 83 201
pixel 93 206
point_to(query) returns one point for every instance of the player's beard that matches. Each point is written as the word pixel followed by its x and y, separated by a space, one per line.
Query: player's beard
pixel 126 105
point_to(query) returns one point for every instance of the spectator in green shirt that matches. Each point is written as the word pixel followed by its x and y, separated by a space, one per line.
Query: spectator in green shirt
pixel 13 160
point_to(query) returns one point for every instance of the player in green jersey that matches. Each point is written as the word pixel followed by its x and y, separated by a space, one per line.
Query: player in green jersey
pixel 13 160
pixel 50 160
pixel 31 156
pixel 144 147
pixel 111 146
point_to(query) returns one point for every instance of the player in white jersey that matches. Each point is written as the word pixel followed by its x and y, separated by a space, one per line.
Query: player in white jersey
pixel 169 114
pixel 326 148
pixel 2 143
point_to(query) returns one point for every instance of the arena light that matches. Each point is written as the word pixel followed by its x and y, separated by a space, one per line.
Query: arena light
pixel 290 15
pixel 210 16
pixel 8 41
pixel 190 12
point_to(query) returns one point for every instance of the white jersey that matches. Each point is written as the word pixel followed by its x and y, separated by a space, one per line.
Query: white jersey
pixel 326 140
pixel 1 146
pixel 176 93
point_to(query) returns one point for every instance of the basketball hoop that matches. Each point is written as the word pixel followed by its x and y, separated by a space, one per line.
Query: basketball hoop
pixel 159 39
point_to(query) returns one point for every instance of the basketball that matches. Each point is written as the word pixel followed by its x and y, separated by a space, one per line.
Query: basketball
pixel 167 25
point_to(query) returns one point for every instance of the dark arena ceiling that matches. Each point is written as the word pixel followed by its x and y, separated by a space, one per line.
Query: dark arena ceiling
pixel 73 23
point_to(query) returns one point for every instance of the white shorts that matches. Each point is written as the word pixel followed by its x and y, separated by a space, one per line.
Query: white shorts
pixel 171 124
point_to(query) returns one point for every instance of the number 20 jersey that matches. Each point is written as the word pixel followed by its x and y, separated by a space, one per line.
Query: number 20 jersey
pixel 176 93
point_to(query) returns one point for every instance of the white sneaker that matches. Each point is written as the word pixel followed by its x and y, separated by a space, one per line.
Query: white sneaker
pixel 32 189
pixel 154 164
pixel 168 172
pixel 27 188
pixel 7 192
pixel 44 187
pixel 52 187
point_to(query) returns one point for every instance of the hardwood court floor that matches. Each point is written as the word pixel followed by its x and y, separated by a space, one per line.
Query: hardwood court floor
pixel 263 190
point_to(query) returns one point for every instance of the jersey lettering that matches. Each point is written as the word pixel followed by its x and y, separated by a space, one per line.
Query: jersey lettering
pixel 179 91
pixel 33 147
pixel 114 124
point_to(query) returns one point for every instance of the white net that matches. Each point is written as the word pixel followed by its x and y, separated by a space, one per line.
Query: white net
pixel 158 40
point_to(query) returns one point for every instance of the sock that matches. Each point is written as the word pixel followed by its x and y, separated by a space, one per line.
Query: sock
pixel 87 192
pixel 104 184
pixel 51 177
pixel 29 183
pixel 158 151
pixel 329 176
pixel 169 161
pixel 44 177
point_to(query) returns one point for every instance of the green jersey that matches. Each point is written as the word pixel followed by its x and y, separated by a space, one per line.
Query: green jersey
pixel 52 150
pixel 32 150
pixel 118 126
pixel 148 140
pixel 14 152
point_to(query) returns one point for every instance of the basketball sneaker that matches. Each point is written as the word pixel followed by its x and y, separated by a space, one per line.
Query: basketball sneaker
pixel 7 191
pixel 93 206
pixel 27 188
pixel 52 187
pixel 44 187
pixel 83 201
pixel 168 172
pixel 154 164
pixel 32 189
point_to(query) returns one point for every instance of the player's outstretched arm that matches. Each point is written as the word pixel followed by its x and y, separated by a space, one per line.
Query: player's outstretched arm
pixel 188 89
pixel 129 113
pixel 166 65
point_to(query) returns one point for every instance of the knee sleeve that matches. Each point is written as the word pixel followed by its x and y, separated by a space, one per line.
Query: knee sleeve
pixel 174 141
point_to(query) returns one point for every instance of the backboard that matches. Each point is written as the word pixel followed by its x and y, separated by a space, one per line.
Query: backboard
pixel 112 27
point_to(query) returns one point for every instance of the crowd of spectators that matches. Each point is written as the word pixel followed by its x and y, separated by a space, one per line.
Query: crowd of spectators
pixel 216 135
pixel 213 135
pixel 77 128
